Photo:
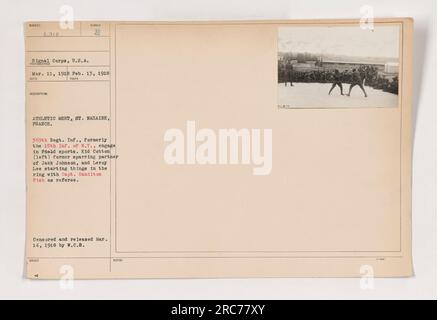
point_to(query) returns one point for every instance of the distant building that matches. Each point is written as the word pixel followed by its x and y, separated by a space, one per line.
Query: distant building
pixel 305 66
pixel 348 65
pixel 391 67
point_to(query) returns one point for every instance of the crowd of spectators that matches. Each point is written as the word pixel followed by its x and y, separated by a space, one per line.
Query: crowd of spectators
pixel 369 74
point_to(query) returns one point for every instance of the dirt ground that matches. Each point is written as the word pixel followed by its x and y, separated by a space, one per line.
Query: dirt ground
pixel 315 95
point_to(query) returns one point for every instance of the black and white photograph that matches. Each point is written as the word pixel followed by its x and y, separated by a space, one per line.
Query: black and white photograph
pixel 335 66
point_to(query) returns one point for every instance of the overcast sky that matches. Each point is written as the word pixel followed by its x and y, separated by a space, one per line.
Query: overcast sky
pixel 351 41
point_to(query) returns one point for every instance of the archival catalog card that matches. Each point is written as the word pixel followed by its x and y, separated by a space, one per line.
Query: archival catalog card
pixel 219 149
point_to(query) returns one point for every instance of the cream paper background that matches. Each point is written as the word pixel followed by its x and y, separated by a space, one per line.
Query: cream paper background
pixel 338 197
